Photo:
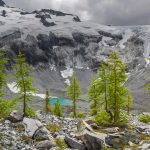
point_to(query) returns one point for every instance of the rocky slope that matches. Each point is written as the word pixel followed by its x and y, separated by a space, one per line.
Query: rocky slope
pixel 56 43
pixel 44 131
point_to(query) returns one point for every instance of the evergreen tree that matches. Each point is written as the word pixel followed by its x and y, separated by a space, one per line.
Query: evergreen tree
pixel 116 89
pixel 47 108
pixel 3 77
pixel 5 105
pixel 24 80
pixel 103 83
pixel 74 92
pixel 94 97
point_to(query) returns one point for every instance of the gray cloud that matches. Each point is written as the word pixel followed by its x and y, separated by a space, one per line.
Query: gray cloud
pixel 114 12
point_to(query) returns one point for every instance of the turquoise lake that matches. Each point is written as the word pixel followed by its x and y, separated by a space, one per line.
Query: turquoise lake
pixel 62 101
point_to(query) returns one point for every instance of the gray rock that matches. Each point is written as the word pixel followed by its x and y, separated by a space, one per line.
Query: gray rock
pixel 15 116
pixel 31 126
pixel 144 145
pixel 111 130
pixel 143 128
pixel 93 141
pixel 2 3
pixel 9 36
pixel 45 145
pixel 42 134
pixel 74 143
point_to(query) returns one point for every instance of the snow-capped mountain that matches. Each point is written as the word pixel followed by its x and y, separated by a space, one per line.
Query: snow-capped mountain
pixel 56 43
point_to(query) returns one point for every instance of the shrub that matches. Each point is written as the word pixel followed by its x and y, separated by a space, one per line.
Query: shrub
pixel 53 127
pixel 61 143
pixel 48 109
pixel 102 118
pixel 30 112
pixel 81 115
pixel 144 118
pixel 58 109
pixel 6 107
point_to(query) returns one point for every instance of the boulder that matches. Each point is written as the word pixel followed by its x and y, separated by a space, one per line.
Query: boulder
pixel 118 140
pixel 144 145
pixel 73 143
pixel 15 116
pixel 31 126
pixel 42 134
pixel 93 141
pixel 45 145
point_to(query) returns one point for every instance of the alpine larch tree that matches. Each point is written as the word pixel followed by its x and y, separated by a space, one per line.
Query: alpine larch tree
pixel 116 88
pixel 93 98
pixel 47 98
pixel 74 92
pixel 109 88
pixel 24 80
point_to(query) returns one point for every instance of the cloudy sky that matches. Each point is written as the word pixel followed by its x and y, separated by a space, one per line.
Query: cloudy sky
pixel 114 12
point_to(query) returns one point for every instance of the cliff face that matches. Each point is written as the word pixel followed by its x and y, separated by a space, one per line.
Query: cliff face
pixel 2 3
pixel 56 43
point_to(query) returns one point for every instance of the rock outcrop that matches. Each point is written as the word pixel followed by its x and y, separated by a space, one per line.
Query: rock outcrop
pixel 2 3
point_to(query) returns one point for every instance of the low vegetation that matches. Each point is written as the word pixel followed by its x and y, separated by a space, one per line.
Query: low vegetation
pixel 144 118
pixel 81 115
pixel 61 143
pixel 53 127
pixel 30 112
pixel 57 110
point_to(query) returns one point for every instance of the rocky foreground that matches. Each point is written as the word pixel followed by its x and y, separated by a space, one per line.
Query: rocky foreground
pixel 47 132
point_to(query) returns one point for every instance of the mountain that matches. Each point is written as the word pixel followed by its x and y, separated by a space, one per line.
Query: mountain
pixel 2 3
pixel 56 43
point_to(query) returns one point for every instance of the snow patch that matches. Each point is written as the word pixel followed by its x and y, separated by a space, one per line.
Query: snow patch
pixel 14 89
pixel 79 67
pixel 53 67
pixel 67 81
pixel 67 73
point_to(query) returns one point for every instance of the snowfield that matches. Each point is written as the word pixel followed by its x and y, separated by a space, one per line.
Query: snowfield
pixel 12 87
